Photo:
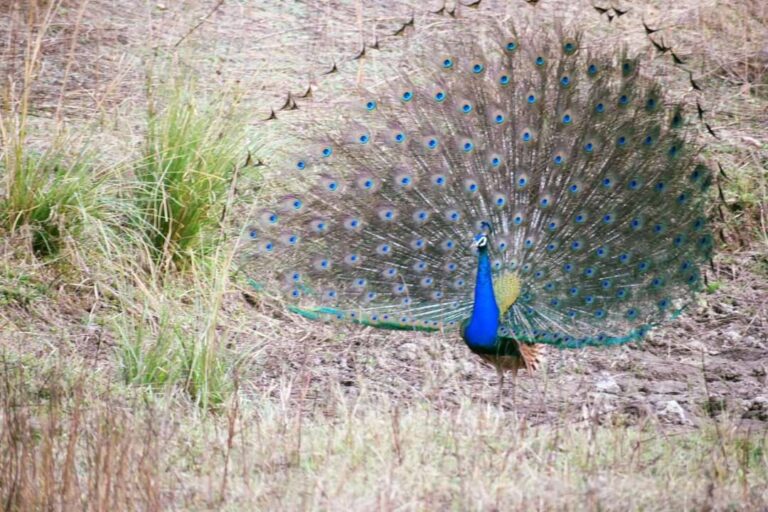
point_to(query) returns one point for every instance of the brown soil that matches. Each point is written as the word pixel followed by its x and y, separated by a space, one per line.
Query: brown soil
pixel 711 361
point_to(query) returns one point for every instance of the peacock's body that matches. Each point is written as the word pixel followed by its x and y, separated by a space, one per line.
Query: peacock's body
pixel 517 188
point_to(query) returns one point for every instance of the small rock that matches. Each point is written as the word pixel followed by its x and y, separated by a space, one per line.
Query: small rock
pixel 673 412
pixel 608 384
pixel 733 335
pixel 758 409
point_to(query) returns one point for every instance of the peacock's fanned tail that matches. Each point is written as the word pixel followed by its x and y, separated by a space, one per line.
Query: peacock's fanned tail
pixel 587 183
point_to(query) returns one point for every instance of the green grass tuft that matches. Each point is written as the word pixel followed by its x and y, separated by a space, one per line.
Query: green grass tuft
pixel 190 155
pixel 46 197
pixel 172 353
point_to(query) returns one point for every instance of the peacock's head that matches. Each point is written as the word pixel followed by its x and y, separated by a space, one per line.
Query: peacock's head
pixel 481 239
pixel 481 242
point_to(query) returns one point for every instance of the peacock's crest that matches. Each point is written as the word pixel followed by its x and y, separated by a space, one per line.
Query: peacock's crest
pixel 584 180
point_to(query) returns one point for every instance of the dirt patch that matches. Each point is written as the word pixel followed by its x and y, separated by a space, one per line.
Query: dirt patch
pixel 713 361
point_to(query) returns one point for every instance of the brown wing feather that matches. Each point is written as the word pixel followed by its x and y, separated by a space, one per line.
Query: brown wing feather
pixel 532 355
pixel 529 359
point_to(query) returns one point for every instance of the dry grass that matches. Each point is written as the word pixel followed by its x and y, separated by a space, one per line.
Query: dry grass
pixel 72 442
pixel 132 381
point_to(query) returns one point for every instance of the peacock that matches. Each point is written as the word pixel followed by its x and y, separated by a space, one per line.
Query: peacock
pixel 512 186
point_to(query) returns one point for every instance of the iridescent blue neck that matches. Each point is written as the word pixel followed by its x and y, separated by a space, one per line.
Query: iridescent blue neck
pixel 481 331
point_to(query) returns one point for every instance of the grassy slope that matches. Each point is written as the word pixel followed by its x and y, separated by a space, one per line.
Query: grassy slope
pixel 129 377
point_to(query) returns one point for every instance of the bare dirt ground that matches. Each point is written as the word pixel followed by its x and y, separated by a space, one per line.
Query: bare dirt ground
pixel 713 361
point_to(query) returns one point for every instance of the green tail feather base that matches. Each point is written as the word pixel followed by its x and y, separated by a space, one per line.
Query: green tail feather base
pixel 321 313
pixel 326 313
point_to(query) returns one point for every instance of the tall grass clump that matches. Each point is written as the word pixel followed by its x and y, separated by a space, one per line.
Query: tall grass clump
pixel 189 160
pixel 44 191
